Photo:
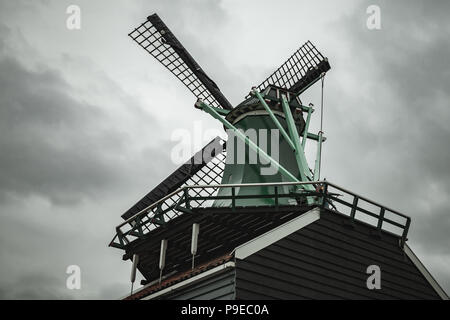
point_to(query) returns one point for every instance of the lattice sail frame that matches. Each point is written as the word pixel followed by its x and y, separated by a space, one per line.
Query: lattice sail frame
pixel 210 174
pixel 157 39
pixel 300 71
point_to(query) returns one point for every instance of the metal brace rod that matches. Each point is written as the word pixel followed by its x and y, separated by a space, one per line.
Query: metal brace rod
pixel 319 154
pixel 274 118
pixel 305 132
pixel 299 152
pixel 315 137
pixel 220 111
pixel 200 104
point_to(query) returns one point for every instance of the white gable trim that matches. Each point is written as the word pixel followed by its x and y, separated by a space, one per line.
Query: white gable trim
pixel 276 234
pixel 411 255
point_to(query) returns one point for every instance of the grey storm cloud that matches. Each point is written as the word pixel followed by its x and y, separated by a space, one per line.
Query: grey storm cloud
pixel 49 140
pixel 399 129
pixel 415 130
pixel 53 143
pixel 35 287
pixel 57 146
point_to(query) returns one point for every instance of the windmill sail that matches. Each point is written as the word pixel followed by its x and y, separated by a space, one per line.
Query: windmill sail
pixel 300 71
pixel 156 38
pixel 205 167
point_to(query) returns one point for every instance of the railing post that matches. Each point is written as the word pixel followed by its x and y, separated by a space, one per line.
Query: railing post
pixel 138 226
pixel 121 237
pixel 354 206
pixel 405 232
pixel 252 145
pixel 186 198
pixel 276 196
pixel 233 199
pixel 380 219
pixel 324 194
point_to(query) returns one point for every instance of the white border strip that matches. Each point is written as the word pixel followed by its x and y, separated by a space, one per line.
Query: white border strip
pixel 201 276
pixel 419 265
pixel 276 234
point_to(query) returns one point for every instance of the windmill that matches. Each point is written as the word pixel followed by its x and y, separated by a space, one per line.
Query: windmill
pixel 225 194
pixel 277 98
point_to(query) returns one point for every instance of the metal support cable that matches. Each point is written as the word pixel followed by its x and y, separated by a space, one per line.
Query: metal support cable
pixel 321 104
pixel 321 122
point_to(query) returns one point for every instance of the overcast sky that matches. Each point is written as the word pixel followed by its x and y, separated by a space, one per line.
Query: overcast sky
pixel 86 119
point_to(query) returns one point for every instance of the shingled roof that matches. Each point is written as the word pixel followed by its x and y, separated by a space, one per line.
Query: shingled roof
pixel 174 279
